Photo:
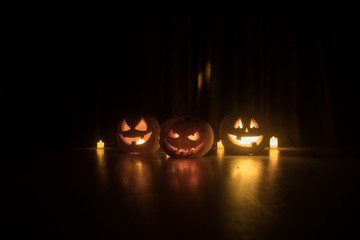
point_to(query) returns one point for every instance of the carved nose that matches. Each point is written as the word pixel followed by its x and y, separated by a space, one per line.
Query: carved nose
pixel 246 130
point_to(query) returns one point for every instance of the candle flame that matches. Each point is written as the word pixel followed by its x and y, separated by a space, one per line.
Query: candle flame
pixel 140 141
pixel 100 144
pixel 273 142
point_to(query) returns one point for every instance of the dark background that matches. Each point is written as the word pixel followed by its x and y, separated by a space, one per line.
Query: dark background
pixel 72 69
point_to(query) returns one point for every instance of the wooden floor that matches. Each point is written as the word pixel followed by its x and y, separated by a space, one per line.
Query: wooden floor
pixel 104 194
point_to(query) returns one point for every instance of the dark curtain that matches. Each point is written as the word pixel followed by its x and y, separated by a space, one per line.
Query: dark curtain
pixel 77 68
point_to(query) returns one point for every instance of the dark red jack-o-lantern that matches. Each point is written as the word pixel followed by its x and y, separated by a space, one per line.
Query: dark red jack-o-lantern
pixel 186 137
pixel 138 133
pixel 242 134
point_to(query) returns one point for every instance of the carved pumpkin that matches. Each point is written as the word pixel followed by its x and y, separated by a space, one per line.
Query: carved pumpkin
pixel 186 137
pixel 242 134
pixel 138 133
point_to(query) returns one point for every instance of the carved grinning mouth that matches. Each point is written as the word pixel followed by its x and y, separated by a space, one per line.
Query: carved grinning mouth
pixel 246 141
pixel 185 152
pixel 135 140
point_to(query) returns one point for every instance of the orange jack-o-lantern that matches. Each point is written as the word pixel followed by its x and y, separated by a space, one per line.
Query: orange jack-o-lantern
pixel 186 137
pixel 242 134
pixel 138 133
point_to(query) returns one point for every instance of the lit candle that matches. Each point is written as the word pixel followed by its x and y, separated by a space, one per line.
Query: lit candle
pixel 219 144
pixel 273 142
pixel 100 144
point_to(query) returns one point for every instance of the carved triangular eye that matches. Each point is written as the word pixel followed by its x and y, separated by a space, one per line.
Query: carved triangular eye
pixel 194 137
pixel 238 124
pixel 173 135
pixel 141 126
pixel 253 124
pixel 124 126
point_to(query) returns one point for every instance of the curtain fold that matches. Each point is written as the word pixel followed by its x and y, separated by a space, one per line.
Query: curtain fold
pixel 294 62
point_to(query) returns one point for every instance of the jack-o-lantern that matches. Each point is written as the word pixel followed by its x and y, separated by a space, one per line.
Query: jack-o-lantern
pixel 186 137
pixel 138 133
pixel 242 134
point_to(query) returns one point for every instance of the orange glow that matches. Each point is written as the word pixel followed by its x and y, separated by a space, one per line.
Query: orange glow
pixel 273 163
pixel 134 173
pixel 238 124
pixel 124 126
pixel 185 152
pixel 253 124
pixel 185 175
pixel 219 144
pixel 274 155
pixel 173 135
pixel 273 142
pixel 247 167
pixel 194 137
pixel 220 152
pixel 140 141
pixel 245 174
pixel 246 141
pixel 100 144
pixel 137 140
pixel 199 81
pixel 141 126
pixel 208 72
pixel 101 168
pixel 100 155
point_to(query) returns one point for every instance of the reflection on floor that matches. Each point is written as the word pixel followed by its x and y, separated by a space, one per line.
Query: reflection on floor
pixel 103 193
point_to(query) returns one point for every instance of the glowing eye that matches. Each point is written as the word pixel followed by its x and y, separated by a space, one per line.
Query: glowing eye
pixel 173 135
pixel 124 126
pixel 253 124
pixel 238 124
pixel 194 137
pixel 141 126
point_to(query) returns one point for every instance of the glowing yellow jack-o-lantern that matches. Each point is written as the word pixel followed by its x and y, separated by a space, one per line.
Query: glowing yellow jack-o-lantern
pixel 241 134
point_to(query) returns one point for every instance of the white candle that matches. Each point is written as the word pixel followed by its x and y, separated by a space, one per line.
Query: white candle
pixel 100 144
pixel 273 142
